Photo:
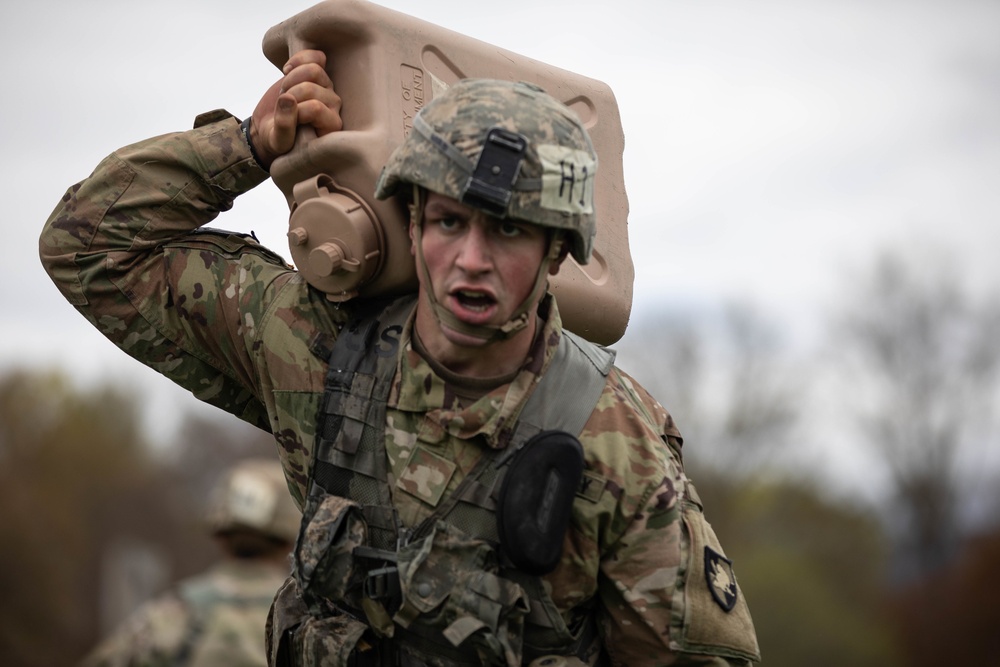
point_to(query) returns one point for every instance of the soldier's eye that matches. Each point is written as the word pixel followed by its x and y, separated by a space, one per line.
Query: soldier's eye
pixel 509 229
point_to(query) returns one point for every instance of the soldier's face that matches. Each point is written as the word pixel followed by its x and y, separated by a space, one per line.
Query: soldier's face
pixel 481 268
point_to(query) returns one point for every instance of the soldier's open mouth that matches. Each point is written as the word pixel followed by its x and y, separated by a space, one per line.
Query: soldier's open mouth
pixel 475 301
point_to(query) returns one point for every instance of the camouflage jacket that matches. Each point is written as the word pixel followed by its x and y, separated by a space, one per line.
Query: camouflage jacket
pixel 229 320
pixel 215 618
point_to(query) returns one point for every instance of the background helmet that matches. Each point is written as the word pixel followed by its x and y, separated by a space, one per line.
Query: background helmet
pixel 253 495
pixel 509 149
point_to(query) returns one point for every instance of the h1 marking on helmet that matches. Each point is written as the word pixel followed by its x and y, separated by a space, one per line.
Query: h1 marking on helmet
pixel 567 179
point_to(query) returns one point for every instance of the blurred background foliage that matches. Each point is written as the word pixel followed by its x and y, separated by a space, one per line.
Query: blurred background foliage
pixel 93 518
pixel 890 559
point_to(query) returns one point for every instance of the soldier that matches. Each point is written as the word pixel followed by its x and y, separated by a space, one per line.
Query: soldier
pixel 217 618
pixel 479 485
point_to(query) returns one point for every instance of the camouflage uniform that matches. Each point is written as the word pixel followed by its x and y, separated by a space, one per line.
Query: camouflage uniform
pixel 213 619
pixel 230 321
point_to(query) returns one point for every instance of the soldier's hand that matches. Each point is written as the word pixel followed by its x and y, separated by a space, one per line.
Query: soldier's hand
pixel 303 96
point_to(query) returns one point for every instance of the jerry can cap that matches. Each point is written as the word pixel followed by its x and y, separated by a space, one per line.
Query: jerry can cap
pixel 334 237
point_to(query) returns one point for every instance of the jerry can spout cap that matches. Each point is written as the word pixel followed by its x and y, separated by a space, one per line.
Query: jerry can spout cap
pixel 335 239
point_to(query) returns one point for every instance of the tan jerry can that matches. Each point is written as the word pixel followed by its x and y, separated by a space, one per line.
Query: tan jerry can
pixel 385 66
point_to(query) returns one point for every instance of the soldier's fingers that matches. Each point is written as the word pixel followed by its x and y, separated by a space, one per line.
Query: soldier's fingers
pixel 285 122
pixel 327 104
pixel 310 73
pixel 303 57
pixel 321 116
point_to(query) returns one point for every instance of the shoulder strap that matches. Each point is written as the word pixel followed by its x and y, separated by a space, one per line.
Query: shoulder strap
pixel 568 392
pixel 349 458
pixel 196 599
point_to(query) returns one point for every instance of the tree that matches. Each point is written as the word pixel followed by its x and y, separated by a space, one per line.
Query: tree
pixel 812 569
pixel 724 380
pixel 964 609
pixel 919 358
pixel 70 462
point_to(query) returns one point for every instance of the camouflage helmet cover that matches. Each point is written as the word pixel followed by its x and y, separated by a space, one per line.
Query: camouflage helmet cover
pixel 552 185
pixel 253 495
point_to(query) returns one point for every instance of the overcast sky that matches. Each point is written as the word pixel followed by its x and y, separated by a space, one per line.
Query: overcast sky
pixel 769 143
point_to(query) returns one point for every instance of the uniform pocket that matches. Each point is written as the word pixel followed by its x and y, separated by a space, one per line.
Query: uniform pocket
pixel 296 637
pixel 451 589
pixel 324 554
pixel 711 614
pixel 327 641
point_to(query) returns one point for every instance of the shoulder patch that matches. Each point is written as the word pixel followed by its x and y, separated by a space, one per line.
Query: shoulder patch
pixel 720 579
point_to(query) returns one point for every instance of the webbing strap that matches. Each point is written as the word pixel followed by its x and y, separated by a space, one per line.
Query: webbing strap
pixel 349 458
pixel 567 394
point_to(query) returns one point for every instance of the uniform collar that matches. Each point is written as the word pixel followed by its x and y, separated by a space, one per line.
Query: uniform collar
pixel 417 388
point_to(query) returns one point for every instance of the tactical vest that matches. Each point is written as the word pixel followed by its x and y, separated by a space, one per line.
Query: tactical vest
pixel 367 590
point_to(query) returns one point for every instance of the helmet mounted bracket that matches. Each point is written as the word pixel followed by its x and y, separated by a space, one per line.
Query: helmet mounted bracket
pixel 489 188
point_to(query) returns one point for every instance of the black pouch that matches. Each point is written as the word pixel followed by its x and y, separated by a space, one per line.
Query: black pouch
pixel 536 500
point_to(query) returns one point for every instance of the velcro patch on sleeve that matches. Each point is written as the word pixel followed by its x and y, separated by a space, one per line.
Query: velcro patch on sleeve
pixel 591 486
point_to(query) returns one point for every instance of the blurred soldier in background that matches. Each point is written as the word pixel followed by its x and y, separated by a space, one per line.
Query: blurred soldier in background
pixel 217 618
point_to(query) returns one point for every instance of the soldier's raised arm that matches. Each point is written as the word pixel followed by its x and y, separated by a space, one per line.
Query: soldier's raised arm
pixel 124 246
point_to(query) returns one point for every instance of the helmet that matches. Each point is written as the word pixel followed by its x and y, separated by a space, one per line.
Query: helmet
pixel 509 149
pixel 253 495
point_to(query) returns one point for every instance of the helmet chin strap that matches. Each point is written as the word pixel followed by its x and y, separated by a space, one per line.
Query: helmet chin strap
pixel 486 333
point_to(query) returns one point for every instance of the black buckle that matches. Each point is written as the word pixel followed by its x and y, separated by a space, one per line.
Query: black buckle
pixel 382 585
pixel 489 187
